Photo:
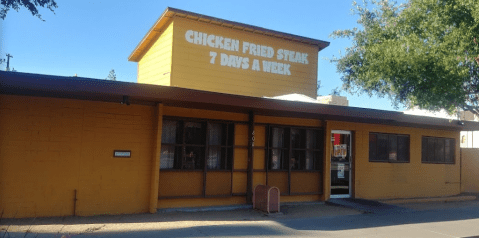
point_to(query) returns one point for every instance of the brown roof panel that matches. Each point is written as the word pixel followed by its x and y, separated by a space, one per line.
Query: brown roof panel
pixel 113 91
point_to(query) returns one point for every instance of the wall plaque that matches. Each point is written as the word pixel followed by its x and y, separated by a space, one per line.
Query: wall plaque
pixel 122 153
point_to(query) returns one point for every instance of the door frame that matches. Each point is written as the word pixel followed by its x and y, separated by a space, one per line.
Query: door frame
pixel 350 133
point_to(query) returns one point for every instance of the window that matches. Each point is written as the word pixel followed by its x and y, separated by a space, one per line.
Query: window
pixel 220 146
pixel 186 145
pixel 438 150
pixel 388 148
pixel 295 149
pixel 279 149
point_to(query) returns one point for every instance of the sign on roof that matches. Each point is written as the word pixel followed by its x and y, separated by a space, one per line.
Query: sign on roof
pixel 259 57
pixel 228 58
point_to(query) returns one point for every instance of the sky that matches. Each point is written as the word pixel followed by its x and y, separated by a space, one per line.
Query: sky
pixel 90 38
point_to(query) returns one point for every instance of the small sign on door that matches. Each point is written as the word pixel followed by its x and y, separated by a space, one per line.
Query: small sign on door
pixel 340 151
pixel 340 170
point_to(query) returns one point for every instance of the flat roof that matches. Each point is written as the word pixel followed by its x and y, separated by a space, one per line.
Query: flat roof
pixel 16 83
pixel 165 18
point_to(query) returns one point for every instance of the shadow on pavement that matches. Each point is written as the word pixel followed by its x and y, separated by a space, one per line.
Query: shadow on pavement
pixel 383 219
pixel 290 212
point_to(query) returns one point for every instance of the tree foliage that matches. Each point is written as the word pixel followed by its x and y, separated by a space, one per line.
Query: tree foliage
pixel 31 5
pixel 111 76
pixel 422 53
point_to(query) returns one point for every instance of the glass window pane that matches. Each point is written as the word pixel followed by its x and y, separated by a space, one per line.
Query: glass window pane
pixel 439 150
pixel 214 158
pixel 229 158
pixel 424 149
pixel 447 142
pixel 194 133
pixel 297 161
pixel 215 131
pixel 277 137
pixel 309 161
pixel 297 138
pixel 224 136
pixel 168 132
pixel 311 139
pixel 340 147
pixel 430 149
pixel 373 142
pixel 284 161
pixel 231 133
pixel 453 150
pixel 382 147
pixel 449 151
pixel 192 157
pixel 277 160
pixel 393 145
pixel 167 158
pixel 403 148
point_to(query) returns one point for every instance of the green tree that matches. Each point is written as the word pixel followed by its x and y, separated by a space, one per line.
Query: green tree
pixel 421 53
pixel 111 76
pixel 31 5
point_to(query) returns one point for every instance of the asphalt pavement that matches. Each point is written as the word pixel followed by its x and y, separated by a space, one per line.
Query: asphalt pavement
pixel 458 219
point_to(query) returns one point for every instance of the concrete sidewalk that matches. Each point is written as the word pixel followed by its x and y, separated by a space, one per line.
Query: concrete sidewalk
pixel 459 219
pixel 162 220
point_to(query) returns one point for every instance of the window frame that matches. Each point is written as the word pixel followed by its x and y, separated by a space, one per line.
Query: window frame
pixel 389 160
pixel 228 146
pixel 205 148
pixel 288 147
pixel 436 139
pixel 282 150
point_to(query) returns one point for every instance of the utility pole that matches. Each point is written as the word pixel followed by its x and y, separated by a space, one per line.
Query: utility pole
pixel 8 61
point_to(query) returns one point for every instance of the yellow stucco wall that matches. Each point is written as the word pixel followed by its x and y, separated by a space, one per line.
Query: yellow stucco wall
pixel 51 147
pixel 470 170
pixel 155 66
pixel 194 66
pixel 378 180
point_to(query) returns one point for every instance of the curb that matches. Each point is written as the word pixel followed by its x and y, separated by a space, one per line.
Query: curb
pixel 437 199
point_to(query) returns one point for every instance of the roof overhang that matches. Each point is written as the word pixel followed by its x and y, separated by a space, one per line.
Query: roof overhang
pixel 15 83
pixel 165 18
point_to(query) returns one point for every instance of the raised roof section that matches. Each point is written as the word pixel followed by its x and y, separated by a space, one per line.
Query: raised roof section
pixel 169 13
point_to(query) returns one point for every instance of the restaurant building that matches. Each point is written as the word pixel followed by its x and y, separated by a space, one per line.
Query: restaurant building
pixel 198 130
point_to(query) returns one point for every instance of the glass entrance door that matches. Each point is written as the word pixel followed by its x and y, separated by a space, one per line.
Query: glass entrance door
pixel 341 161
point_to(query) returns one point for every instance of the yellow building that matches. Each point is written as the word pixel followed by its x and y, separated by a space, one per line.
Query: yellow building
pixel 189 50
pixel 203 136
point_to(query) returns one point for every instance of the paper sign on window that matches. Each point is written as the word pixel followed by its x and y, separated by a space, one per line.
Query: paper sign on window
pixel 340 170
pixel 340 151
